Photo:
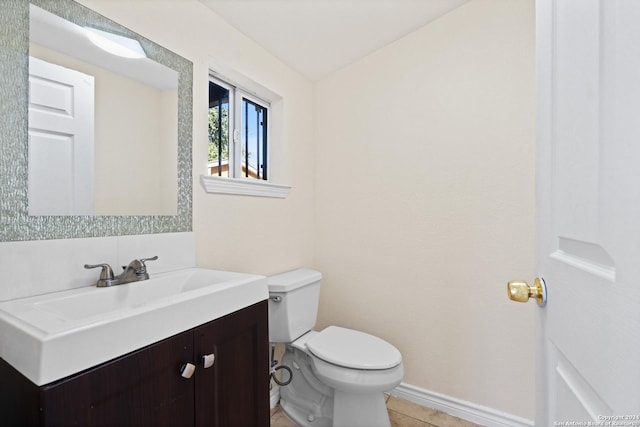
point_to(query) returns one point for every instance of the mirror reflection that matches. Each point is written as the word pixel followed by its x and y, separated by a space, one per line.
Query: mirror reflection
pixel 102 126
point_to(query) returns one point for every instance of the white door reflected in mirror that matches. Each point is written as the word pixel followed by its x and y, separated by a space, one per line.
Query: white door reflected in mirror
pixel 61 152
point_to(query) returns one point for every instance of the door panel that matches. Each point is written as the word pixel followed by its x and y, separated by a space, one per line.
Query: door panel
pixel 588 201
pixel 580 401
pixel 61 151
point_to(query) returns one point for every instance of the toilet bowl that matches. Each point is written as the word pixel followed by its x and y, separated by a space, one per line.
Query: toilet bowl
pixel 353 361
pixel 338 374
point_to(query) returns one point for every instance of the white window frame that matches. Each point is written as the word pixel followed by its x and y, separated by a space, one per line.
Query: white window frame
pixel 236 183
pixel 232 115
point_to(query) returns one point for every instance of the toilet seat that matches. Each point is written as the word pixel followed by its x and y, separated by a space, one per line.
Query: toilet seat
pixel 353 349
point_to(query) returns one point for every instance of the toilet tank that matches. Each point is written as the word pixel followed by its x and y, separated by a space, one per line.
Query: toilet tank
pixel 293 304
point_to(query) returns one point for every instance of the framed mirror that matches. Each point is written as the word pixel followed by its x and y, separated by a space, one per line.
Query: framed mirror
pixel 112 212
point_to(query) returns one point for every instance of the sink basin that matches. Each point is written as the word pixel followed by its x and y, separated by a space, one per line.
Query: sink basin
pixel 48 337
pixel 96 302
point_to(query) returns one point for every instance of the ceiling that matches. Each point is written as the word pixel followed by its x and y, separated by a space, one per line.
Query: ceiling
pixel 317 37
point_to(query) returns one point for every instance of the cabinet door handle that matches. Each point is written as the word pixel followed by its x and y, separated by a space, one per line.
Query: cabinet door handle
pixel 207 360
pixel 187 370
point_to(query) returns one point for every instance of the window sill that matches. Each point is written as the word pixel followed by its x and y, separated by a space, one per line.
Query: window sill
pixel 243 187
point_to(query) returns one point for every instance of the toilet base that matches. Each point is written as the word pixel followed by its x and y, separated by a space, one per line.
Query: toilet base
pixel 310 403
pixel 359 410
pixel 307 401
pixel 274 396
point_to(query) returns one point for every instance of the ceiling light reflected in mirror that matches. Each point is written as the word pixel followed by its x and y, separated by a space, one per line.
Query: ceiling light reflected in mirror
pixel 114 44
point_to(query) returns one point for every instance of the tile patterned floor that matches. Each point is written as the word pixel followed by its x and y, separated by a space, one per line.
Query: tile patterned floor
pixel 401 413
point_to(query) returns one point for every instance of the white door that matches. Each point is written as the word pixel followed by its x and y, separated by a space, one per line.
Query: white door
pixel 61 119
pixel 588 212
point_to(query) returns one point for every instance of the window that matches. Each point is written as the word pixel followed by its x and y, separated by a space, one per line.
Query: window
pixel 243 157
pixel 238 133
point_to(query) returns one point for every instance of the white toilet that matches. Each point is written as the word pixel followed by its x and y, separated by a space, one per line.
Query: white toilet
pixel 338 374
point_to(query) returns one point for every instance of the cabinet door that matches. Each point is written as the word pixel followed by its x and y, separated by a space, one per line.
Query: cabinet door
pixel 234 391
pixel 143 388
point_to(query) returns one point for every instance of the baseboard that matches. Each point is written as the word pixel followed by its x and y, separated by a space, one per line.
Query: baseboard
pixel 459 408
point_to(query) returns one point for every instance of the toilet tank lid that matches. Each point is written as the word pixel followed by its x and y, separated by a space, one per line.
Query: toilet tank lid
pixel 285 282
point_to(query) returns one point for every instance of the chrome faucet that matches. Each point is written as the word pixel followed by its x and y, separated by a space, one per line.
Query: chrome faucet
pixel 135 271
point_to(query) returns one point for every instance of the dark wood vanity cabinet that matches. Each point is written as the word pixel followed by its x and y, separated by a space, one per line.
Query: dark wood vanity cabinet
pixel 145 388
pixel 141 388
pixel 235 390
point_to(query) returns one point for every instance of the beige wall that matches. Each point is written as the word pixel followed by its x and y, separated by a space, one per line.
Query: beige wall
pixel 250 234
pixel 425 201
pixel 413 187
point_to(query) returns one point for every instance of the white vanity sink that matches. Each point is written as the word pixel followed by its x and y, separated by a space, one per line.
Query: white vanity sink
pixel 48 337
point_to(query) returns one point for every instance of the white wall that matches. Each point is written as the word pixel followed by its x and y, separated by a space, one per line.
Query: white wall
pixel 425 201
pixel 255 235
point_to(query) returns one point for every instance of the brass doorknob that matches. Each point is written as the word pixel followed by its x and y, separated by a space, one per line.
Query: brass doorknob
pixel 520 291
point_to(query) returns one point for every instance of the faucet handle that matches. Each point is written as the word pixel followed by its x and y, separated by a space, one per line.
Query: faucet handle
pixel 106 274
pixel 143 267
pixel 143 260
pixel 139 264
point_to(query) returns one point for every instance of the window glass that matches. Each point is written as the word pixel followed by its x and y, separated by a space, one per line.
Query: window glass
pixel 219 108
pixel 254 137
